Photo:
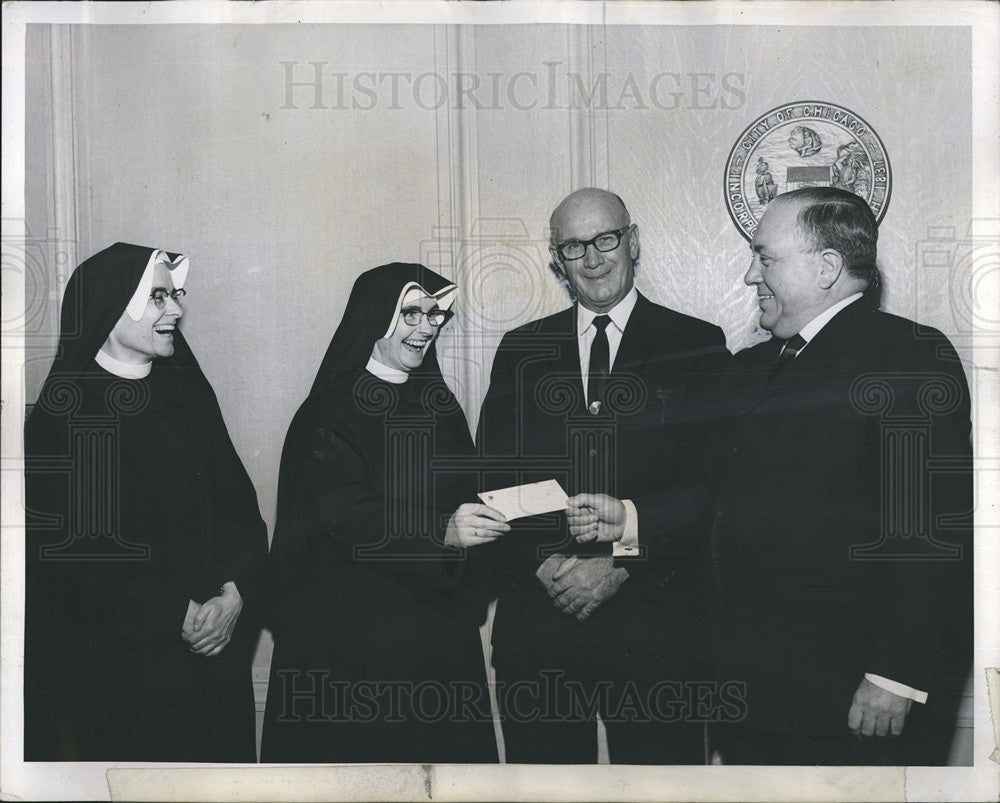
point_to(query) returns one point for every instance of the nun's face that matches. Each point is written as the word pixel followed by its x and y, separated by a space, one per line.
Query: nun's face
pixel 405 348
pixel 152 335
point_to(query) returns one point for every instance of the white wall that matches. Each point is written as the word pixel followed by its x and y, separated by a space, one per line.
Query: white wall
pixel 179 139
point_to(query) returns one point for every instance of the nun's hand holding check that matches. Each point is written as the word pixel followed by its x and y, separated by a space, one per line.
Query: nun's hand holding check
pixel 473 524
pixel 211 628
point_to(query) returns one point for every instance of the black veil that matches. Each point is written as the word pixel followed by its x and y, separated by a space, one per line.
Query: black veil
pixel 374 303
pixel 96 297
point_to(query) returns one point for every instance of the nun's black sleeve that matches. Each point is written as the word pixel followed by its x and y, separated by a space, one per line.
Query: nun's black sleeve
pixel 342 503
pixel 239 533
pixel 124 602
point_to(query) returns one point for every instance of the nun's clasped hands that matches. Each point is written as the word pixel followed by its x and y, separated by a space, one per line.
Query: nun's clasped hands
pixel 209 628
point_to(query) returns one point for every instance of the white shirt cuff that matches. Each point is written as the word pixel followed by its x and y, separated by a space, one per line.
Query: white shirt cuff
pixel 628 546
pixel 897 688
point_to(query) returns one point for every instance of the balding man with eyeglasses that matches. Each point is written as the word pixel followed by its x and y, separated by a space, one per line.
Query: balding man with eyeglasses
pixel 609 620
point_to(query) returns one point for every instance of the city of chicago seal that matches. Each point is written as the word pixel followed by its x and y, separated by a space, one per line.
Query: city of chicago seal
pixel 805 144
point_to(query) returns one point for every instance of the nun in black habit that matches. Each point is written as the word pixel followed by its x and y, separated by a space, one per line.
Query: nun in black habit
pixel 375 609
pixel 145 547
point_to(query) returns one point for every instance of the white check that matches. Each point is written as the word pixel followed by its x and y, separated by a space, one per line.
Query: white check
pixel 527 500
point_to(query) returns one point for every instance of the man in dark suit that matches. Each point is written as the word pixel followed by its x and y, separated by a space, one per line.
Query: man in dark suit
pixel 602 397
pixel 842 534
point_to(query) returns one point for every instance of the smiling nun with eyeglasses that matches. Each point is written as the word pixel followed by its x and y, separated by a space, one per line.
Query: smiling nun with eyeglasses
pixel 145 547
pixel 375 602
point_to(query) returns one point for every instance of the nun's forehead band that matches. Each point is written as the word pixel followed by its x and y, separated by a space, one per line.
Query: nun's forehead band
pixel 178 272
pixel 444 297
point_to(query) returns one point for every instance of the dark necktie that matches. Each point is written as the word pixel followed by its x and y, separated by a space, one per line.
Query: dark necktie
pixel 600 365
pixel 791 350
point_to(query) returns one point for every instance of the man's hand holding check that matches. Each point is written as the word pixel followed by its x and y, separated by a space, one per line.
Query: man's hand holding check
pixel 595 517
pixel 579 585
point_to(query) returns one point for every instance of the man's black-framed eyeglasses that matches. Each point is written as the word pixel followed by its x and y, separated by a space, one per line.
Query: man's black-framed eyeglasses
pixel 160 296
pixel 606 241
pixel 436 317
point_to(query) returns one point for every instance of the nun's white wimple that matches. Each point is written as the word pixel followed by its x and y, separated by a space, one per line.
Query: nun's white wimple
pixel 126 370
pixel 178 272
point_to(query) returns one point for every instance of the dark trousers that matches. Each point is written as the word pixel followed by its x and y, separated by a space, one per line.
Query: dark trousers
pixel 548 708
pixel 925 741
pixel 739 744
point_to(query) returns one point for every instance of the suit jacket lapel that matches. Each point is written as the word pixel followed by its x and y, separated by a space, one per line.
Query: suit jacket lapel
pixel 848 325
pixel 633 351
pixel 824 349
pixel 754 372
pixel 566 361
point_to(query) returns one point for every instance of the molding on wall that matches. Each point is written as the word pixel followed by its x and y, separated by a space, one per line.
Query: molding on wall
pixel 588 126
pixel 454 244
pixel 64 196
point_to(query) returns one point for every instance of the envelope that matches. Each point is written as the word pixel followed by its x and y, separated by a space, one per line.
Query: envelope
pixel 527 500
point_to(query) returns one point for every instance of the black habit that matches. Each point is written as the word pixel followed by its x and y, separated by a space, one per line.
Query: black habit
pixel 377 652
pixel 137 503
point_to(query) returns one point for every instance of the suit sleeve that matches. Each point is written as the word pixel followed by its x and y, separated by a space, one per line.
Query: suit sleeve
pixel 496 439
pixel 496 435
pixel 926 607
pixel 675 507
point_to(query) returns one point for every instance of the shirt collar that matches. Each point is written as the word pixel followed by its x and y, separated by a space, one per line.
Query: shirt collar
pixel 126 370
pixel 619 313
pixel 811 329
pixel 391 375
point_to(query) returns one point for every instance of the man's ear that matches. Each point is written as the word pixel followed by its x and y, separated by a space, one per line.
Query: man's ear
pixel 831 265
pixel 633 242
pixel 556 262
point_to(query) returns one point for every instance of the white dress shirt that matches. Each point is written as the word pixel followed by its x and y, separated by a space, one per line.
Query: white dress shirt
pixel 586 332
pixel 809 331
pixel 628 546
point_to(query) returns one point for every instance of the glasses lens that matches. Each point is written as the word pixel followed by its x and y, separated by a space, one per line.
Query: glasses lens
pixel 607 242
pixel 572 250
pixel 160 297
pixel 436 317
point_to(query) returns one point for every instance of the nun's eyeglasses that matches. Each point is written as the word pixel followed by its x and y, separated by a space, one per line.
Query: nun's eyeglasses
pixel 160 297
pixel 606 241
pixel 413 315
